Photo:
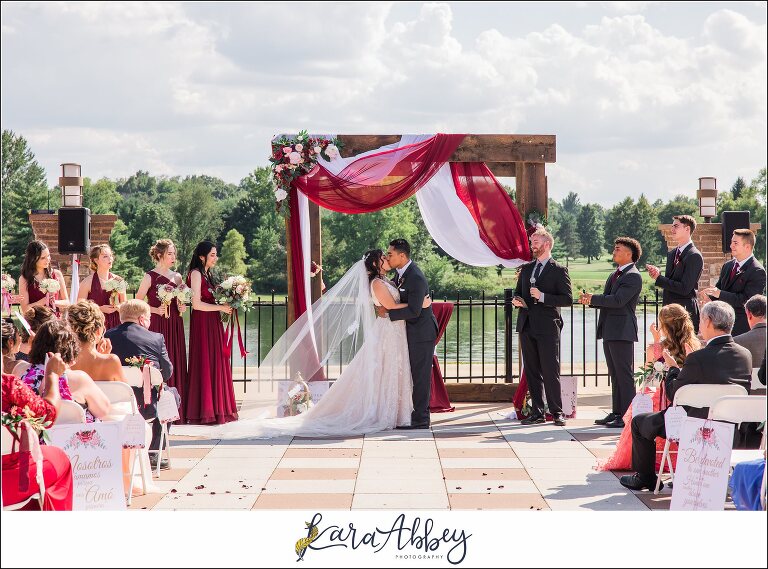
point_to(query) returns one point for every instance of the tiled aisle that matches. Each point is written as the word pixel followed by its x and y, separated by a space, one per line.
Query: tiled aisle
pixel 471 459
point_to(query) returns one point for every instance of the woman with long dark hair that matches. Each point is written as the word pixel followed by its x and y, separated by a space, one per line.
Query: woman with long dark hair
pixel 34 270
pixel 166 319
pixel 210 395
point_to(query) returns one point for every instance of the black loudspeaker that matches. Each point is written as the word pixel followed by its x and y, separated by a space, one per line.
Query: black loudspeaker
pixel 74 230
pixel 732 220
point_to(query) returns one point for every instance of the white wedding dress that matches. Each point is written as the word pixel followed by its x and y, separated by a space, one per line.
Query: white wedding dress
pixel 373 393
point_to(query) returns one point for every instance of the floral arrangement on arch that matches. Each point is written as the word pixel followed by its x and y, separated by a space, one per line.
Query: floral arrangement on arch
pixel 294 157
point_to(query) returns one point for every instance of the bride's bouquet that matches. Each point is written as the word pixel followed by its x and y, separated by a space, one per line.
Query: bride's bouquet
pixel 115 286
pixel 234 291
pixel 166 293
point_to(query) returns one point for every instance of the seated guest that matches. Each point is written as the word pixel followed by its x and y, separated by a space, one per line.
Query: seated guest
pixel 11 344
pixel 56 337
pixel 761 373
pixel 57 469
pixel 754 340
pixel 35 316
pixel 721 361
pixel 87 322
pixel 133 338
pixel 675 334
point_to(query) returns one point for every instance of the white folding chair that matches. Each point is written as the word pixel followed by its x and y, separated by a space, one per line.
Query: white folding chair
pixel 7 448
pixel 756 384
pixel 134 378
pixel 119 393
pixel 70 413
pixel 698 395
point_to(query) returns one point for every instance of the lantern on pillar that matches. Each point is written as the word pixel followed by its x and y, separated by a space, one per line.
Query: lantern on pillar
pixel 707 196
pixel 71 183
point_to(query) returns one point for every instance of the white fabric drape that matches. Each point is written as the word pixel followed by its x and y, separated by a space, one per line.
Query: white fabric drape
pixel 75 285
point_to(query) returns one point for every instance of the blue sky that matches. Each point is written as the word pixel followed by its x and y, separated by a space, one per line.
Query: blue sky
pixel 643 97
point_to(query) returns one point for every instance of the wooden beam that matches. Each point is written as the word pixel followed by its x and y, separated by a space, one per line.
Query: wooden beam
pixel 481 392
pixel 474 147
pixel 531 188
pixel 502 169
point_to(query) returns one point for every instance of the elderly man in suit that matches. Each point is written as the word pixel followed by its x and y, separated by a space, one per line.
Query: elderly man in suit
pixel 721 361
pixel 133 338
pixel 617 326
pixel 754 340
pixel 683 270
pixel 740 278
pixel 542 287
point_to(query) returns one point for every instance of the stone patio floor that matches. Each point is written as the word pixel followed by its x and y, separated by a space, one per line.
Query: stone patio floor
pixel 471 459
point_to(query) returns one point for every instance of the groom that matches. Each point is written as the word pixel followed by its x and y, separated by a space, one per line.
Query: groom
pixel 420 327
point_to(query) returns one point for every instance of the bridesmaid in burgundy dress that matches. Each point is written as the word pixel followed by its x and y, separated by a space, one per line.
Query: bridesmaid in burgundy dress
pixel 92 286
pixel 167 320
pixel 37 267
pixel 210 394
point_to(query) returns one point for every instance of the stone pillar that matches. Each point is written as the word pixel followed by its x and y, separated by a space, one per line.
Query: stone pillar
pixel 708 239
pixel 45 226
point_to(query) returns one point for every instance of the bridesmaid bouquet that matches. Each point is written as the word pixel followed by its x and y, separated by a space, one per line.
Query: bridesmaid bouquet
pixel 115 286
pixel 9 284
pixel 234 291
pixel 166 293
pixel 49 286
pixel 184 294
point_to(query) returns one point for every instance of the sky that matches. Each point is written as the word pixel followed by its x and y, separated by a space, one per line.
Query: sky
pixel 644 97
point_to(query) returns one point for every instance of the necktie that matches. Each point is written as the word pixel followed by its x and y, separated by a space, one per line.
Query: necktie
pixel 734 270
pixel 615 276
pixel 677 256
pixel 537 271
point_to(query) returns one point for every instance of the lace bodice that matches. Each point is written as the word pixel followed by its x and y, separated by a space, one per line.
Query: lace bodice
pixel 392 290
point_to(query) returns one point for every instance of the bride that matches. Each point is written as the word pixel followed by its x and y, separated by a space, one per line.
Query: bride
pixel 373 392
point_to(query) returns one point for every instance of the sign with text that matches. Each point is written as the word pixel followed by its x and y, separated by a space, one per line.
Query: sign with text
pixel 703 465
pixel 642 403
pixel 673 420
pixel 133 431
pixel 167 410
pixel 95 451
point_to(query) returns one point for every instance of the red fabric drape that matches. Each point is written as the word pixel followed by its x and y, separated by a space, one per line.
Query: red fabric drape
pixel 297 257
pixel 439 402
pixel 380 180
pixel 519 399
pixel 498 220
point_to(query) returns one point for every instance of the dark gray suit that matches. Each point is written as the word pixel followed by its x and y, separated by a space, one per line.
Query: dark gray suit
pixel 679 281
pixel 421 331
pixel 617 327
pixel 131 339
pixel 748 281
pixel 721 361
pixel 754 341
pixel 539 327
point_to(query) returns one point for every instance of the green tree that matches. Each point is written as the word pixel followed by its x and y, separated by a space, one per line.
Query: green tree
pixel 738 187
pixel 197 217
pixel 617 222
pixel 125 264
pixel 568 236
pixel 571 204
pixel 101 197
pixel 590 230
pixel 152 221
pixel 24 188
pixel 233 253
pixel 642 225
pixel 267 269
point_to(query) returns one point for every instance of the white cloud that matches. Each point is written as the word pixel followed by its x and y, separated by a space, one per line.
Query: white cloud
pixel 189 88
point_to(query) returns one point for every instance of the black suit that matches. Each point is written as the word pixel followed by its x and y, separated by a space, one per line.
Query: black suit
pixel 421 331
pixel 748 281
pixel 539 327
pixel 679 281
pixel 617 327
pixel 721 361
pixel 131 339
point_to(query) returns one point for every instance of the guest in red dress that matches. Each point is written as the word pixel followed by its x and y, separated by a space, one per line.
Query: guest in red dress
pixel 167 319
pixel 19 469
pixel 92 286
pixel 210 394
pixel 36 268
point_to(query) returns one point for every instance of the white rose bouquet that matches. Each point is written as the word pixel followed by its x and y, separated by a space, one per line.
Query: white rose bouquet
pixel 236 292
pixel 49 286
pixel 115 286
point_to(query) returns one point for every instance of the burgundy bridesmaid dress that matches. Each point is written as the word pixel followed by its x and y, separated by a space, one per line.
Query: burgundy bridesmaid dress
pixel 172 329
pixel 35 294
pixel 210 393
pixel 101 297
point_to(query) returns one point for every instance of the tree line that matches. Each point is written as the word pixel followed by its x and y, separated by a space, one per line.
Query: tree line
pixel 242 220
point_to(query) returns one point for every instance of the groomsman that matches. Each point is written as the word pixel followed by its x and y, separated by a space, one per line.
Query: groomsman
pixel 617 325
pixel 740 278
pixel 683 270
pixel 542 287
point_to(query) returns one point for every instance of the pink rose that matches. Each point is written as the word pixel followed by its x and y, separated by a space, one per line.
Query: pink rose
pixel 299 147
pixel 294 157
pixel 316 150
pixel 286 149
pixel 279 168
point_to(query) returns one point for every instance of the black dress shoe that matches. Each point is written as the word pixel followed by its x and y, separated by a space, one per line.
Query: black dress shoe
pixel 533 420
pixel 637 482
pixel 607 419
pixel 559 420
pixel 411 427
pixel 617 424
